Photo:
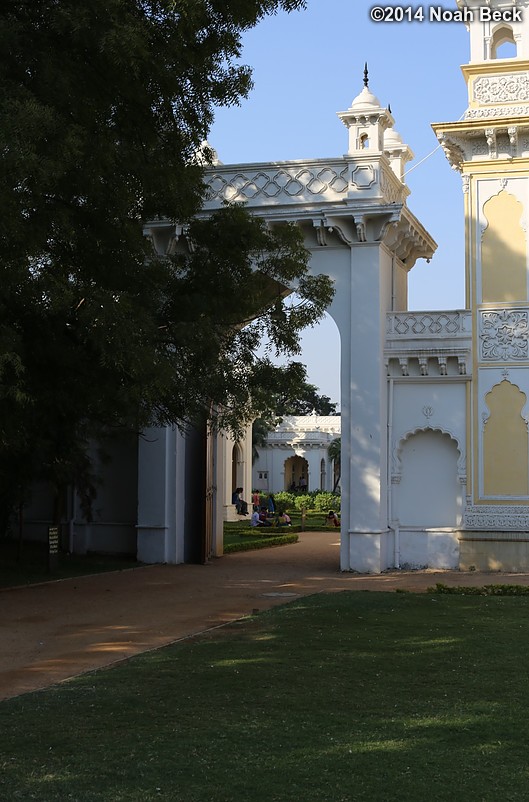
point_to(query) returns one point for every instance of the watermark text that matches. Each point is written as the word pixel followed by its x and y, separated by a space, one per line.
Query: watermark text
pixel 440 14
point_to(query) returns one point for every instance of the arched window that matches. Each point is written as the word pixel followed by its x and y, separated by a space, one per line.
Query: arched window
pixel 503 44
pixel 364 142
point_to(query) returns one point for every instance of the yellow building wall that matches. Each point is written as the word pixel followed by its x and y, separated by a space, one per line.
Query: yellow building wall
pixel 503 251
pixel 505 443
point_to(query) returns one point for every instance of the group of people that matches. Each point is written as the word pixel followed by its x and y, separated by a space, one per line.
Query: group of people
pixel 263 514
pixel 301 486
pixel 263 518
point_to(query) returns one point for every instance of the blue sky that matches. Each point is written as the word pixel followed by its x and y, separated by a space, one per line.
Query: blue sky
pixel 307 66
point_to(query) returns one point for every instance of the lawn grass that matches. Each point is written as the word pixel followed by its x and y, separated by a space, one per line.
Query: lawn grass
pixel 33 567
pixel 349 697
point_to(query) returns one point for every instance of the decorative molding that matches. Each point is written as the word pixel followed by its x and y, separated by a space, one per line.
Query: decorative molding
pixel 509 88
pixel 499 111
pixel 491 517
pixel 504 335
pixel 364 176
pixel 465 180
pixel 427 412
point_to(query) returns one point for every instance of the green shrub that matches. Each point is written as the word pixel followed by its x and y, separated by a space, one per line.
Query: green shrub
pixel 323 502
pixel 279 540
pixel 305 501
pixel 484 590
pixel 284 500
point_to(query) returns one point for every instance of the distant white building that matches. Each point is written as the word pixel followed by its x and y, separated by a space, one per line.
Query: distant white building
pixel 297 449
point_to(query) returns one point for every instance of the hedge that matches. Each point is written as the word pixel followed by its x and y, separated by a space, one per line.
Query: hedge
pixel 279 540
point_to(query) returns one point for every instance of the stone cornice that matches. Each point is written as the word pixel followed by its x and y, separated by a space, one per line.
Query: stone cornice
pixel 484 139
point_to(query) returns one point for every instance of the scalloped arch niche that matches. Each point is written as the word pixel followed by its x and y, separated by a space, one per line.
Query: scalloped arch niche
pixel 503 251
pixel 429 492
pixel 505 443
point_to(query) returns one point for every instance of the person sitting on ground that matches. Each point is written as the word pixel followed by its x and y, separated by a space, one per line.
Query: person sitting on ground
pixel 257 519
pixel 263 517
pixel 332 519
pixel 284 519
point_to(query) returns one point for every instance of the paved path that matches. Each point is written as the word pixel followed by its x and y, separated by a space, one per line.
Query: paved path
pixel 56 630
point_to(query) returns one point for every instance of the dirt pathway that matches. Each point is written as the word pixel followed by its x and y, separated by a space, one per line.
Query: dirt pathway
pixel 60 629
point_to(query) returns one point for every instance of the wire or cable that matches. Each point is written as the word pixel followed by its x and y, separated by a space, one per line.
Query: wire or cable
pixel 430 154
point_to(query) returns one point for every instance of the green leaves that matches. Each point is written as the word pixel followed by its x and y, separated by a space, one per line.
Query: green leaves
pixel 103 107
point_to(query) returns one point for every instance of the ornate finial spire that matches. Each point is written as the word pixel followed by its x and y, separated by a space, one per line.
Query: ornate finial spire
pixel 366 76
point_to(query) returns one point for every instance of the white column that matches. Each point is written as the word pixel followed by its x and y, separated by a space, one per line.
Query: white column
pixel 363 404
pixel 161 486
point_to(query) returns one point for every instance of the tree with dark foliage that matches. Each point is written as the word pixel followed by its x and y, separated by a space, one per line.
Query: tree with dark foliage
pixel 104 106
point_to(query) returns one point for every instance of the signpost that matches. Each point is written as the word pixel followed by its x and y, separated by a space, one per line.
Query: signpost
pixel 53 548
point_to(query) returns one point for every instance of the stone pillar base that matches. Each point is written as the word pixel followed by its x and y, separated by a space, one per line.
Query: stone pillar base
pixel 368 552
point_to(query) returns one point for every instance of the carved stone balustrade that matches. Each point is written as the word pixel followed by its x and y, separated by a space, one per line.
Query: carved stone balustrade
pixel 314 181
pixel 429 344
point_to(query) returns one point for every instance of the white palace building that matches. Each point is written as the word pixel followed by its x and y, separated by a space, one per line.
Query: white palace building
pixel 434 405
pixel 298 447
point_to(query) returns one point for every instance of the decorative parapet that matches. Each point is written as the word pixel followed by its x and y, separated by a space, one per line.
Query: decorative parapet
pixel 428 343
pixel 314 181
pixel 305 431
pixel 428 325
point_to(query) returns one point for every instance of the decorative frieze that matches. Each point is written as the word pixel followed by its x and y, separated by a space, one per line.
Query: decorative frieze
pixel 510 88
pixel 491 517
pixel 503 335
pixel 498 111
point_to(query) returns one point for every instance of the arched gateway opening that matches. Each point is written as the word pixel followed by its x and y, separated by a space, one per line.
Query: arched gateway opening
pixel 352 213
pixel 297 475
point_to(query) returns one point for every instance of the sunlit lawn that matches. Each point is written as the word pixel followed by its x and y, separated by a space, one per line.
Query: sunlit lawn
pixel 351 696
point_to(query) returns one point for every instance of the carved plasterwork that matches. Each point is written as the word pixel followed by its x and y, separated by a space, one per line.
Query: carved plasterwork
pixel 510 88
pixel 491 517
pixel 453 148
pixel 490 133
pixel 498 111
pixel 503 335
pixel 392 190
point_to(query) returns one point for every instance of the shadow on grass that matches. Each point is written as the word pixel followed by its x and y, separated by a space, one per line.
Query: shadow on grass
pixel 332 698
pixel 33 565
